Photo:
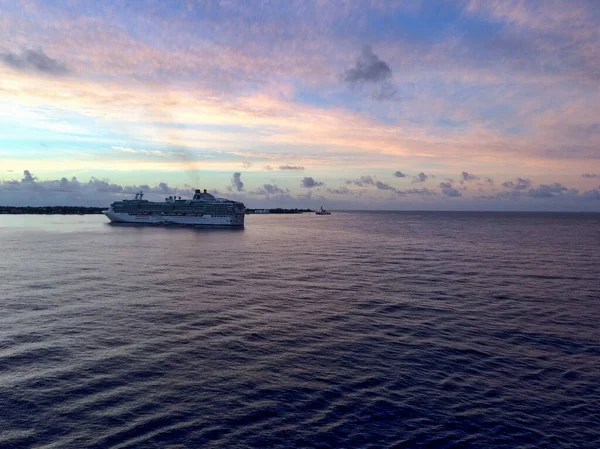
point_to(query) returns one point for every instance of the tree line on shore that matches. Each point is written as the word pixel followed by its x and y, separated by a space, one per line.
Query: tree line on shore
pixel 49 210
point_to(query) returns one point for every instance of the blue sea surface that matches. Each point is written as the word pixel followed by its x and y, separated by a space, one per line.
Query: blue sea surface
pixel 355 330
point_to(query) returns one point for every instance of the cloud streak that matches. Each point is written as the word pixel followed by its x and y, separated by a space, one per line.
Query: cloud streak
pixel 34 61
pixel 291 167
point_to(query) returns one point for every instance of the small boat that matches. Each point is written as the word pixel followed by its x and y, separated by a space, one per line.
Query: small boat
pixel 322 211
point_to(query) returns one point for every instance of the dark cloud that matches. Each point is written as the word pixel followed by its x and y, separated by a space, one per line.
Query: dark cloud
pixel 28 177
pixel 468 177
pixel 385 91
pixel 291 167
pixel 236 182
pixel 548 190
pixel 309 183
pixel 399 174
pixel 518 184
pixel 273 189
pixel 306 196
pixel 383 186
pixel 448 190
pixel 246 164
pixel 451 192
pixel 592 194
pixel 285 167
pixel 65 191
pixel 362 181
pixel 421 177
pixel 371 70
pixel 270 189
pixel 590 175
pixel 163 188
pixel 422 192
pixel 340 191
pixel 542 191
pixel 368 68
pixel 511 195
pixel 368 180
pixel 34 61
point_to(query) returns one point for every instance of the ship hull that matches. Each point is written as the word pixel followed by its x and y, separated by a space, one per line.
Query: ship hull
pixel 165 220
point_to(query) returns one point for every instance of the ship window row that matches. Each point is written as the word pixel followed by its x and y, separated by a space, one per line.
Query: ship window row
pixel 211 211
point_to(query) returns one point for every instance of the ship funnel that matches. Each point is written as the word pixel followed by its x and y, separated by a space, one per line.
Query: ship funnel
pixel 197 191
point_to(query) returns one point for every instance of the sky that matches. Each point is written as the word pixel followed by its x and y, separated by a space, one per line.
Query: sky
pixel 366 104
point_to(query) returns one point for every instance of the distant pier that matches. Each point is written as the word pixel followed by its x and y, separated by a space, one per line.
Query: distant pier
pixel 277 211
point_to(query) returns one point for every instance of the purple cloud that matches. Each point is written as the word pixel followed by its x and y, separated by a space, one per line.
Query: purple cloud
pixel 448 190
pixel 451 192
pixel 362 181
pixel 291 167
pixel 309 182
pixel 592 194
pixel 547 190
pixel 370 69
pixel 468 177
pixel 65 191
pixel 34 61
pixel 422 192
pixel 270 189
pixel 421 177
pixel 28 177
pixel 236 182
pixel 340 191
pixel 383 186
pixel 518 184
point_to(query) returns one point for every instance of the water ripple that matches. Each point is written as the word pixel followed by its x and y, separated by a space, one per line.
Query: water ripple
pixel 361 330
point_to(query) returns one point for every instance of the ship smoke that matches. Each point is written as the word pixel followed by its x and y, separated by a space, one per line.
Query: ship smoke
pixel 162 118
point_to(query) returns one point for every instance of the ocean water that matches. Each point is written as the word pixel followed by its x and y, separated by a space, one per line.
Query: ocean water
pixel 355 330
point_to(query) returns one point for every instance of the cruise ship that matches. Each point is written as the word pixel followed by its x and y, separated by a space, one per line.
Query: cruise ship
pixel 202 210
